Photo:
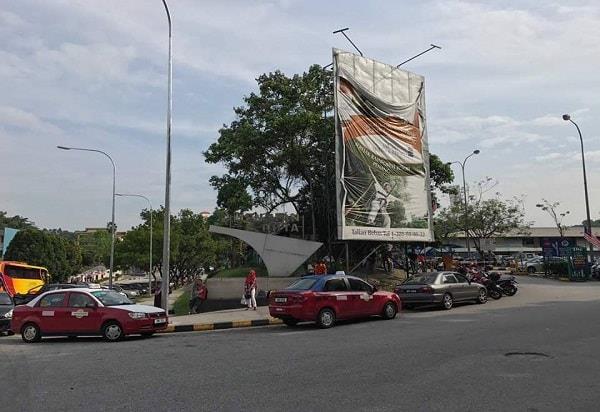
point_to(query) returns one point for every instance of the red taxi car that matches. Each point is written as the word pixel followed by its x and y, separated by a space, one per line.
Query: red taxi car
pixel 325 299
pixel 82 311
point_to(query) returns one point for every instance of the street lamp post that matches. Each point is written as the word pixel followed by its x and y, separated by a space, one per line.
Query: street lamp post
pixel 462 166
pixel 112 222
pixel 167 221
pixel 588 229
pixel 150 264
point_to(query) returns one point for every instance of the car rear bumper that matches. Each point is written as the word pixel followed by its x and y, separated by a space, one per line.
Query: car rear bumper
pixel 297 312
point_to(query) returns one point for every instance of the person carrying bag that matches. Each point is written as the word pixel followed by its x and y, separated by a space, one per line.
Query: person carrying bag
pixel 250 290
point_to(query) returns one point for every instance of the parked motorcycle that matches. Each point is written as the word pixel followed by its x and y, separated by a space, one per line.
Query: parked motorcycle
pixel 490 282
pixel 508 286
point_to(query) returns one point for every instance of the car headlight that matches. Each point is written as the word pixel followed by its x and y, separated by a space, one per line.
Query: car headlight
pixel 8 315
pixel 137 315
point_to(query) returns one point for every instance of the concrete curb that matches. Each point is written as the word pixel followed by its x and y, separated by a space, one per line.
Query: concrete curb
pixel 199 327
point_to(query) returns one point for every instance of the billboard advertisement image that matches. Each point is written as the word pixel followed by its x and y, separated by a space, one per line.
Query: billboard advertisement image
pixel 382 161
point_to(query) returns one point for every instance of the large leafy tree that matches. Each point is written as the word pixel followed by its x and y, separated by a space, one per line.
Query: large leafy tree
pixel 61 256
pixel 280 150
pixel 279 139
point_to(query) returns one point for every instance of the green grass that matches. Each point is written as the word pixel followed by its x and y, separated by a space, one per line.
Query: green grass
pixel 240 272
pixel 181 306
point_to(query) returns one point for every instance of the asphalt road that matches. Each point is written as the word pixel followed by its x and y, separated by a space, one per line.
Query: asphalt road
pixel 472 358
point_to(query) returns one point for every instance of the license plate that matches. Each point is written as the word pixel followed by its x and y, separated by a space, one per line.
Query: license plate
pixel 159 321
pixel 410 291
pixel 280 300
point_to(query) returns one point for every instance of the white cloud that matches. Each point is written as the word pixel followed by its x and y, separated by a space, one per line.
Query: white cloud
pixel 94 73
pixel 15 117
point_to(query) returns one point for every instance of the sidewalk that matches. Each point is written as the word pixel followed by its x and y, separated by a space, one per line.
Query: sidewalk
pixel 225 319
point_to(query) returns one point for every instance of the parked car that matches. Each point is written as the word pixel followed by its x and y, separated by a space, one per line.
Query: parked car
pixel 140 288
pixel 22 299
pixel 77 312
pixel 326 299
pixel 130 293
pixel 537 264
pixel 443 288
pixel 6 307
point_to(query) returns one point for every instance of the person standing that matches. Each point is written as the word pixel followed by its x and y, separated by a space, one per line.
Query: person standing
pixel 199 295
pixel 250 290
pixel 157 295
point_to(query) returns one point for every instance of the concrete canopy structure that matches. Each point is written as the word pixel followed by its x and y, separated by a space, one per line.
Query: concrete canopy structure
pixel 282 255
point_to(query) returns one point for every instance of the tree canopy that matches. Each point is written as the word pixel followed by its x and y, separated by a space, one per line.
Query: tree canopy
pixel 14 222
pixel 487 218
pixel 192 246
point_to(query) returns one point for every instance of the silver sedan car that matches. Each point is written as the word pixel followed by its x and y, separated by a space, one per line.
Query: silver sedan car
pixel 443 288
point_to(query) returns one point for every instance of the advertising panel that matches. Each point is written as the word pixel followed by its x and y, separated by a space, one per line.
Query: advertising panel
pixel 382 159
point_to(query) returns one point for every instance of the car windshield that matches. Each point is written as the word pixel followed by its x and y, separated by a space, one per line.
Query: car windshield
pixel 111 298
pixel 5 299
pixel 302 284
pixel 422 279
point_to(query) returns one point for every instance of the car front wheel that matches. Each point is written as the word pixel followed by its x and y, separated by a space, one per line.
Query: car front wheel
pixel 31 333
pixel 447 301
pixel 326 318
pixel 389 311
pixel 112 331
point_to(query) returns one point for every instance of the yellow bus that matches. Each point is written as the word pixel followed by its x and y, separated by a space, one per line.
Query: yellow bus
pixel 19 277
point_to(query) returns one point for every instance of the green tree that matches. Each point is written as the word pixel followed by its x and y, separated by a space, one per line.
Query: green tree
pixel 487 218
pixel 15 222
pixel 192 246
pixel 95 248
pixel 61 256
pixel 232 195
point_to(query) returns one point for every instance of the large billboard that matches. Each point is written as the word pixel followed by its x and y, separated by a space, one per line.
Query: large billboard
pixel 382 160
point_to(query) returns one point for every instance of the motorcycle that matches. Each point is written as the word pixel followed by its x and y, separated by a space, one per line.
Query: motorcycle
pixel 490 282
pixel 508 286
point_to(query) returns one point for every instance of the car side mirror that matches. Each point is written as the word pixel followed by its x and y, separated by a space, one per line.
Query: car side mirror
pixel 90 306
pixel 374 289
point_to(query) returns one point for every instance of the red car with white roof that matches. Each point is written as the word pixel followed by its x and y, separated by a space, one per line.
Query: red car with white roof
pixel 85 312
pixel 325 299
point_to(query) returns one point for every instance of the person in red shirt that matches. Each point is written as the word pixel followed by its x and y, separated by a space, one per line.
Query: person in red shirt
pixel 250 286
pixel 199 295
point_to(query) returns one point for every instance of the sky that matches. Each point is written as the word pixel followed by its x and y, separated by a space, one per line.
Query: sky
pixel 94 74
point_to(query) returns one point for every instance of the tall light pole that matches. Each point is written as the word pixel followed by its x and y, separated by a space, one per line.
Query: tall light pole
pixel 462 166
pixel 150 205
pixel 112 222
pixel 167 222
pixel 588 228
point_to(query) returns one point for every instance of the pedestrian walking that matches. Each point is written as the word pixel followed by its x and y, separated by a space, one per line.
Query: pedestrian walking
pixel 250 290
